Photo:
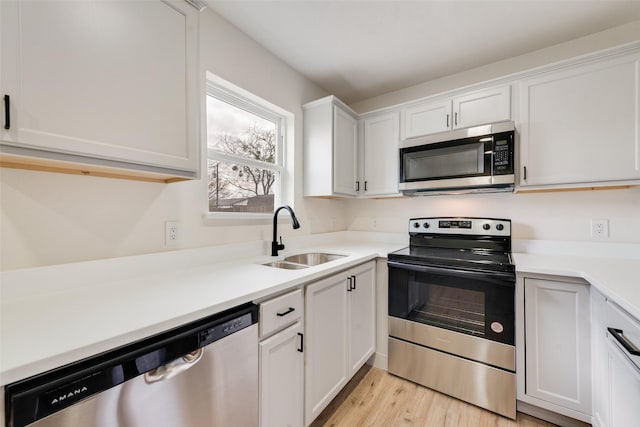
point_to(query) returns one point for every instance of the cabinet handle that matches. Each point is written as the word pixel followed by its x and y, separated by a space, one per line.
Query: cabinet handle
pixel 7 113
pixel 354 282
pixel 365 186
pixel 357 185
pixel 456 119
pixel 447 120
pixel 628 345
pixel 284 313
pixel 349 284
pixel 301 348
pixel 525 173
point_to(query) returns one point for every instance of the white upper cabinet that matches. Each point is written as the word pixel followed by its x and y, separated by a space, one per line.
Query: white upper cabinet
pixel 380 153
pixel 481 107
pixel 345 155
pixel 330 149
pixel 427 118
pixel 579 125
pixel 114 81
pixel 471 109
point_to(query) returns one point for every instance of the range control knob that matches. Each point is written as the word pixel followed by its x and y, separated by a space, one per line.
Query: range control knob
pixel 486 226
pixel 416 225
pixel 426 225
pixel 499 227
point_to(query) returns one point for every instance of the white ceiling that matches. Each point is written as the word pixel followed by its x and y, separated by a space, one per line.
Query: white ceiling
pixel 360 49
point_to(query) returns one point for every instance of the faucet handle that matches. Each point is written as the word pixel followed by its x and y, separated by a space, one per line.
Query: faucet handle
pixel 281 245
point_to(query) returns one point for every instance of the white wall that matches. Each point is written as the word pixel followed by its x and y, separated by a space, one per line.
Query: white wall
pixel 555 216
pixel 48 218
pixel 613 37
pixel 544 216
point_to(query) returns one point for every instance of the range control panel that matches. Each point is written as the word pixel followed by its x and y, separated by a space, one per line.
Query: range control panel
pixel 471 226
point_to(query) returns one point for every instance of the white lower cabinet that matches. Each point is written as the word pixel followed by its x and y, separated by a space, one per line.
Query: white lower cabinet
pixel 362 316
pixel 624 389
pixel 281 379
pixel 339 333
pixel 556 344
pixel 616 391
pixel 282 361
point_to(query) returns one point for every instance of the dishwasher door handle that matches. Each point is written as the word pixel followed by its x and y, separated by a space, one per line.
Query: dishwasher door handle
pixel 174 367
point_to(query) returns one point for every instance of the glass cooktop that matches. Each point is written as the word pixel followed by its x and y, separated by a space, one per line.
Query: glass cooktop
pixel 472 259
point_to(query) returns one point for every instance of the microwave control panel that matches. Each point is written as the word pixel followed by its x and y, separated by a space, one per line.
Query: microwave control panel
pixel 503 154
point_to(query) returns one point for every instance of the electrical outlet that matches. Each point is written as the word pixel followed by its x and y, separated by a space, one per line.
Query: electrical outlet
pixel 599 228
pixel 171 232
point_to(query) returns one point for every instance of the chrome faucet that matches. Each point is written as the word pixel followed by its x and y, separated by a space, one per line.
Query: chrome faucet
pixel 275 246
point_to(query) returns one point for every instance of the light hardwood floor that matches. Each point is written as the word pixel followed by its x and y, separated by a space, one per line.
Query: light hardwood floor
pixel 376 398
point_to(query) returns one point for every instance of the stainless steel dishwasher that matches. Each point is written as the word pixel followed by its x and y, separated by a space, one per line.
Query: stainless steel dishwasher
pixel 203 374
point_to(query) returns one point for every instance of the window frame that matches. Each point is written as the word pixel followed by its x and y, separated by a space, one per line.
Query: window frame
pixel 242 99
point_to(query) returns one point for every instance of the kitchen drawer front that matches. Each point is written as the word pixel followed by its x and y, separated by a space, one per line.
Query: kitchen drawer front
pixel 623 329
pixel 279 312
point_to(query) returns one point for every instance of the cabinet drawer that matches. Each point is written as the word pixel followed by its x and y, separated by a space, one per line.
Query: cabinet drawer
pixel 280 312
pixel 624 330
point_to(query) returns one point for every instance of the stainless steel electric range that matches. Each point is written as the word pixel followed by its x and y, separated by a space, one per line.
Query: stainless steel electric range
pixel 452 310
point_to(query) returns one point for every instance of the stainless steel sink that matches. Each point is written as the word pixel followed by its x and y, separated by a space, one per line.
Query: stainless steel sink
pixel 285 265
pixel 313 258
pixel 297 262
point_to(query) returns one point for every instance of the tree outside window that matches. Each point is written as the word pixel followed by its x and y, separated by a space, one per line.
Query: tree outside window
pixel 243 150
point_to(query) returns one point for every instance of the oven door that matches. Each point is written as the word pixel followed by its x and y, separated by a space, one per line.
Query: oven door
pixel 479 304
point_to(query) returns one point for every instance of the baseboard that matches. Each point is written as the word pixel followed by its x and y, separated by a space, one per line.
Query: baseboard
pixel 380 361
pixel 548 416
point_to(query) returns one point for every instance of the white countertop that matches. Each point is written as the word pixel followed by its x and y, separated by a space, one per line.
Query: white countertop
pixel 51 316
pixel 616 278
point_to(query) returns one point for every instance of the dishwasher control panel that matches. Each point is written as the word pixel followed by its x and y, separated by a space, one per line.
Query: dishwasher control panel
pixel 222 330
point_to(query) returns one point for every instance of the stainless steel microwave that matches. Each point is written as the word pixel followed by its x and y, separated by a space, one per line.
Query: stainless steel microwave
pixel 476 159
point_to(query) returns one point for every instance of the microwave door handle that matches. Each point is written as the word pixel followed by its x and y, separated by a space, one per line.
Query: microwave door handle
pixel 494 276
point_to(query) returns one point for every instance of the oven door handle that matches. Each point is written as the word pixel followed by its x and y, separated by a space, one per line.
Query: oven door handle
pixel 494 276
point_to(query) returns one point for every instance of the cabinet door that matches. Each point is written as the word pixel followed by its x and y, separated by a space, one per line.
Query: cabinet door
pixel 108 80
pixel 427 118
pixel 345 154
pixel 326 349
pixel 381 163
pixel 482 107
pixel 600 361
pixel 557 342
pixel 624 389
pixel 580 125
pixel 362 321
pixel 281 379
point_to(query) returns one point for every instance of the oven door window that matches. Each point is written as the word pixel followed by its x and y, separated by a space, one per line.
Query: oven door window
pixel 438 161
pixel 478 304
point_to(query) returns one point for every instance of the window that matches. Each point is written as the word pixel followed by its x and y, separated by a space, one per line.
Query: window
pixel 245 159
